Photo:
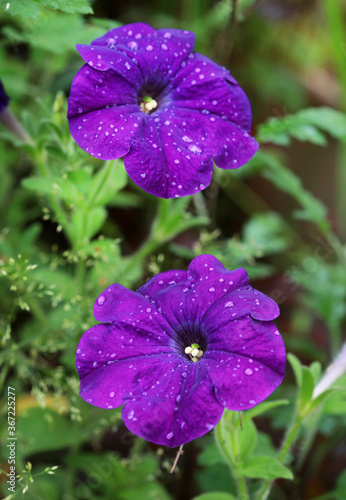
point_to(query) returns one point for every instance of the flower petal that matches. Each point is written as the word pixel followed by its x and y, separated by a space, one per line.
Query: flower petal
pixel 160 282
pixel 102 59
pixel 203 85
pixel 113 363
pixel 158 54
pixel 180 408
pixel 103 123
pixel 121 306
pixel 246 362
pixel 162 166
pixel 229 145
pixel 242 302
pixel 189 301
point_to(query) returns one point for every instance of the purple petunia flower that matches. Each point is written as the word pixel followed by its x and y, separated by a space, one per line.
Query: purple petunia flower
pixel 4 99
pixel 182 348
pixel 146 95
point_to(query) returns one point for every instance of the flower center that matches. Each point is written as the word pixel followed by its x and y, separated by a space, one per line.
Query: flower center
pixel 194 352
pixel 147 104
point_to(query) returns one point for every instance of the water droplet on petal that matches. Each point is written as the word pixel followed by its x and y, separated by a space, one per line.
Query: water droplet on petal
pixel 178 398
pixel 184 374
pixel 133 45
pixel 194 149
pixel 111 394
pixel 169 435
pixel 186 139
pixel 229 304
pixel 101 300
pixel 130 415
pixel 248 371
pixel 149 48
pixel 252 402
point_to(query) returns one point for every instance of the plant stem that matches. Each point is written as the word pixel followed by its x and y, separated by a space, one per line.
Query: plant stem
pixel 40 158
pixel 334 17
pixel 231 458
pixel 287 443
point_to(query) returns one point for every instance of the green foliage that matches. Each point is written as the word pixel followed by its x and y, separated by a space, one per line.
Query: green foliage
pixel 264 467
pixel 216 495
pixel 72 225
pixel 306 125
pixel 32 9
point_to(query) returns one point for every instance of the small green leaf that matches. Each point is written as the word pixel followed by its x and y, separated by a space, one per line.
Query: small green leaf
pixel 27 9
pixel 69 6
pixel 296 367
pixel 306 388
pixel 38 184
pixel 234 442
pixel 304 126
pixel 215 495
pixel 106 183
pixel 264 467
pixel 263 407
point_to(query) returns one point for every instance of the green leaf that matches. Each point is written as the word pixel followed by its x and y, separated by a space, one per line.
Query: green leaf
pixel 265 467
pixel 88 223
pixel 266 232
pixel 106 183
pixel 30 9
pixel 38 184
pixel 263 407
pixel 312 209
pixel 69 6
pixel 304 126
pixel 336 403
pixel 27 9
pixel 173 218
pixel 306 388
pixel 56 33
pixel 215 495
pixel 43 429
pixel 234 442
pixel 296 367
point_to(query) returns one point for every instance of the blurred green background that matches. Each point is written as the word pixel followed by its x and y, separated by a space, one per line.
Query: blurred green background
pixel 281 217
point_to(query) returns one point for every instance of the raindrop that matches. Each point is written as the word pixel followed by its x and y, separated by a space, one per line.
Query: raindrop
pixel 194 149
pixel 186 139
pixel 248 371
pixel 101 300
pixel 130 415
pixel 229 304
pixel 169 435
pixel 111 394
pixel 133 45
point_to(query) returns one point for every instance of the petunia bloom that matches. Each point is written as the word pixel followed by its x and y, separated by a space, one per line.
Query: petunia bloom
pixel 4 99
pixel 182 348
pixel 146 95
